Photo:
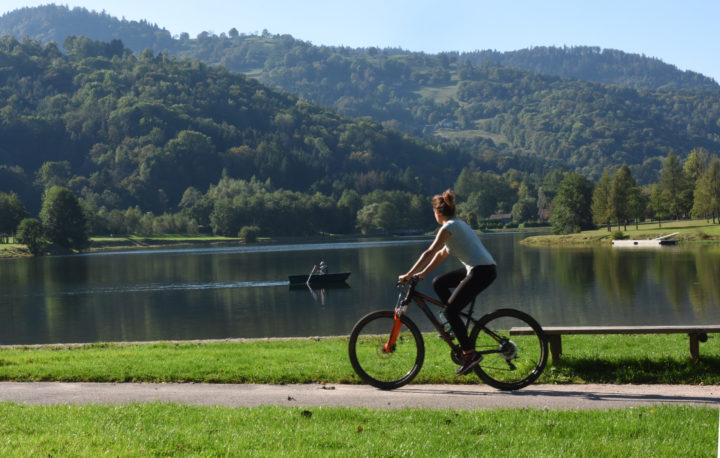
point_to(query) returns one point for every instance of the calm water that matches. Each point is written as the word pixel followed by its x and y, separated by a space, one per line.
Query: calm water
pixel 243 291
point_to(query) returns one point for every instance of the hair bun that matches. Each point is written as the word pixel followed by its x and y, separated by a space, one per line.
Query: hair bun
pixel 449 198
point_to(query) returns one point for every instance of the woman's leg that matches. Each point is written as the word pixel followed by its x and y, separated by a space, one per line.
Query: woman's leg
pixel 443 284
pixel 479 278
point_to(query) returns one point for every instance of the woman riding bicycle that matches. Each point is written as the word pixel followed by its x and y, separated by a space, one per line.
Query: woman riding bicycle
pixel 456 238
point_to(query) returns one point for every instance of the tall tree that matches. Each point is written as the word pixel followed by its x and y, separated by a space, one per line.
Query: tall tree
pixel 695 165
pixel 707 192
pixel 673 186
pixel 571 206
pixel 637 205
pixel 656 204
pixel 619 199
pixel 64 220
pixel 601 197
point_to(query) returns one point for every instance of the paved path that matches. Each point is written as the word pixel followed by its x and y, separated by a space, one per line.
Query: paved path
pixel 591 396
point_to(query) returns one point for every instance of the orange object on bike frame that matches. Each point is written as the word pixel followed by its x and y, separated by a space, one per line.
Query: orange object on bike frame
pixel 394 333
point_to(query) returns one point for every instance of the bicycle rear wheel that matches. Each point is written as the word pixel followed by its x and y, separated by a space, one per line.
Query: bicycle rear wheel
pixel 509 362
pixel 376 366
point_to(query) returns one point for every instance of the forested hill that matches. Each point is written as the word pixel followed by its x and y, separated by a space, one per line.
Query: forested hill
pixel 246 52
pixel 121 129
pixel 541 112
pixel 55 23
pixel 594 64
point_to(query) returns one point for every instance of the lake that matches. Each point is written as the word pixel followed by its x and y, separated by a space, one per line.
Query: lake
pixel 242 291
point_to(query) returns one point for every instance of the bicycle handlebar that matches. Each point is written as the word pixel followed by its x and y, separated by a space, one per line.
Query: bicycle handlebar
pixel 413 281
pixel 404 301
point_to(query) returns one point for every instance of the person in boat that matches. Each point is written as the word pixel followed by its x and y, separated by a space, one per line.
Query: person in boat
pixel 323 268
pixel 459 287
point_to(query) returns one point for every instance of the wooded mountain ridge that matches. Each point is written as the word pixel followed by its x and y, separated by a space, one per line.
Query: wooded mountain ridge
pixel 247 52
pixel 583 108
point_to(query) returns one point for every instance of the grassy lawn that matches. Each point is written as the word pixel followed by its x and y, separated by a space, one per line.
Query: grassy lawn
pixel 139 241
pixel 177 430
pixel 586 359
pixel 165 429
pixel 106 243
pixel 690 231
pixel 13 250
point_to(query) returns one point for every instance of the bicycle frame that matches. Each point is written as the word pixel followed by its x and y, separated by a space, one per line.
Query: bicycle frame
pixel 421 300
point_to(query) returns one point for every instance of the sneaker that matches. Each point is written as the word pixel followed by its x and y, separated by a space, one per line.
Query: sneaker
pixel 469 361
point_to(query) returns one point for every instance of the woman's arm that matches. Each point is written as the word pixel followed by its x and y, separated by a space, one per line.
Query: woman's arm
pixel 430 258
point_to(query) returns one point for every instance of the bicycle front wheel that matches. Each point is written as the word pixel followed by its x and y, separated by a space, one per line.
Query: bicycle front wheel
pixel 381 367
pixel 511 360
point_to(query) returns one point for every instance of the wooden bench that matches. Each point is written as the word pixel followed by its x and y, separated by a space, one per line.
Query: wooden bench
pixel 554 334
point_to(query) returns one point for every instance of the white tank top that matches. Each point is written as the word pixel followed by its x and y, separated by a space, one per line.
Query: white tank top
pixel 465 245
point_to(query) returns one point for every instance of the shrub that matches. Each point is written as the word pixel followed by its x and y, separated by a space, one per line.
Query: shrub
pixel 31 233
pixel 618 235
pixel 249 233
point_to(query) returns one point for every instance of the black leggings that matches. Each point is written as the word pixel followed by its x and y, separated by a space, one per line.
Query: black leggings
pixel 467 286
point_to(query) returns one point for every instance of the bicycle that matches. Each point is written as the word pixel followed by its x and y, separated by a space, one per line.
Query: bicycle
pixel 387 349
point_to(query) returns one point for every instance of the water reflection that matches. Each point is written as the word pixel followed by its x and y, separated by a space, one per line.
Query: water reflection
pixel 243 291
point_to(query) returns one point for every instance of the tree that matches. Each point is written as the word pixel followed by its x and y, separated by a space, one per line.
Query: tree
pixel 672 186
pixel 707 192
pixel 656 204
pixel 366 218
pixel 249 233
pixel 600 199
pixel 543 203
pixel 571 206
pixel 224 218
pixel 64 220
pixel 12 211
pixel 348 205
pixel 695 165
pixel 53 174
pixel 31 233
pixel 524 210
pixel 637 204
pixel 196 206
pixel 621 188
pixel 484 193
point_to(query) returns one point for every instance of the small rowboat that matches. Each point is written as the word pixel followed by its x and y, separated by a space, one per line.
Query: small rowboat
pixel 318 279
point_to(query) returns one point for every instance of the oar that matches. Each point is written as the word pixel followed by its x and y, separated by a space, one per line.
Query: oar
pixel 311 274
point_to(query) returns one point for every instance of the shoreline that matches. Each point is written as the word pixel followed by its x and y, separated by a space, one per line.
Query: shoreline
pixel 100 244
pixel 691 232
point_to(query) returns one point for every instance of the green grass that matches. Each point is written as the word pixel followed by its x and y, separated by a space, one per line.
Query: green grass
pixel 177 430
pixel 690 231
pixel 439 94
pixel 13 250
pixel 586 359
pixel 160 429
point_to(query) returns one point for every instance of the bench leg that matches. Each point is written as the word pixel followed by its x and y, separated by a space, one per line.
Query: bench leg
pixel 694 347
pixel 555 347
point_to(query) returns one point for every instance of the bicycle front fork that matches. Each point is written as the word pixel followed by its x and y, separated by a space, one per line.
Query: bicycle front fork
pixel 394 333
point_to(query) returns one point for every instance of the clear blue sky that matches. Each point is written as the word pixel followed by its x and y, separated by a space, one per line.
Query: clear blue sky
pixel 683 33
